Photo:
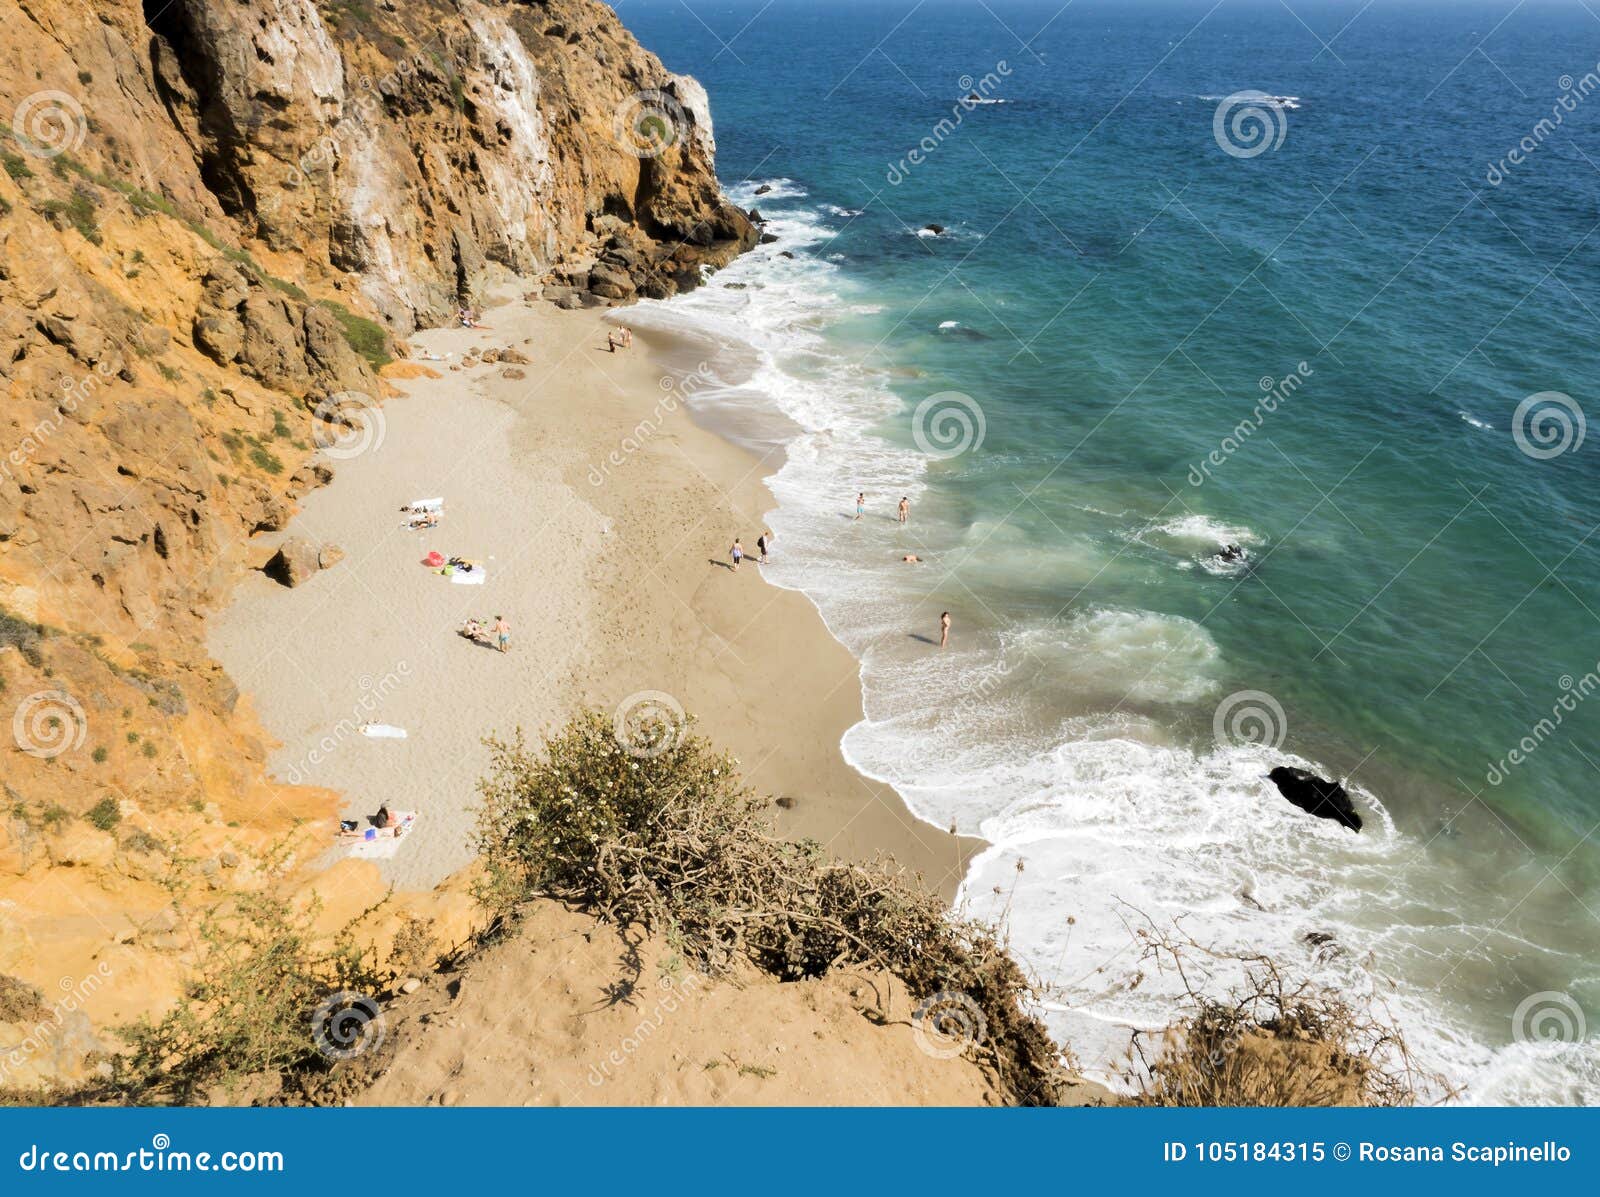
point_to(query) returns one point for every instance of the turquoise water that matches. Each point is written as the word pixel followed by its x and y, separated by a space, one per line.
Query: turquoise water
pixel 1114 295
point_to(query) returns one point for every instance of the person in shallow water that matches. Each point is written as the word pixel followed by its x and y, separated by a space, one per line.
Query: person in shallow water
pixel 905 508
pixel 861 504
pixel 944 629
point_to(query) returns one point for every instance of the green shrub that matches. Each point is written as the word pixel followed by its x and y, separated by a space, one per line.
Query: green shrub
pixel 265 459
pixel 366 337
pixel 105 814
pixel 264 998
pixel 100 754
pixel 16 165
pixel 22 635
pixel 79 212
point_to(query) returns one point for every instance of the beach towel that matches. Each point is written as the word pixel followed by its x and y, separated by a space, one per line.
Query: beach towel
pixel 384 842
pixel 462 578
pixel 426 505
pixel 383 731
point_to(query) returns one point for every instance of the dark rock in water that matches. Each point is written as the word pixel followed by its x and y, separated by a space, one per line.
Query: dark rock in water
pixel 756 217
pixel 768 238
pixel 1316 795
pixel 763 189
pixel 936 229
pixel 783 253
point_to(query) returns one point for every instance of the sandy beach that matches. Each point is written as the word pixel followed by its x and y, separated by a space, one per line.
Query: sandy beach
pixel 602 516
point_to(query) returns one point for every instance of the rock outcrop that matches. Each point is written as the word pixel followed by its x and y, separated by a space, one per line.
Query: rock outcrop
pixel 1316 795
pixel 215 217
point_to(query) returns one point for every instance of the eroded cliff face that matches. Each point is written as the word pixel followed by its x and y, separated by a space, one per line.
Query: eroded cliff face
pixel 215 215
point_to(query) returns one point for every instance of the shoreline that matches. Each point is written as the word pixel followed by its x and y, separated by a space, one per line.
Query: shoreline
pixel 603 512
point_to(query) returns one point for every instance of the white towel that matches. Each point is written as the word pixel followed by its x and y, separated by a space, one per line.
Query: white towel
pixel 383 731
pixel 462 578
pixel 427 505
pixel 385 842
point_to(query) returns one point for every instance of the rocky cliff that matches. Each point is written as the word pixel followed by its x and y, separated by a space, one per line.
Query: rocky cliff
pixel 215 218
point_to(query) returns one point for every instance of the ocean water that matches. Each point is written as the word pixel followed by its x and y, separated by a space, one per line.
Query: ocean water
pixel 1344 328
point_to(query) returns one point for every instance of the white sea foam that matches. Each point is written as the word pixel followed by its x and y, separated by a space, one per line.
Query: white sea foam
pixel 1052 738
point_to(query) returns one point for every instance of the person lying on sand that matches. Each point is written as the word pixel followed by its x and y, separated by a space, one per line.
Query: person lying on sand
pixel 912 559
pixel 425 519
pixel 472 629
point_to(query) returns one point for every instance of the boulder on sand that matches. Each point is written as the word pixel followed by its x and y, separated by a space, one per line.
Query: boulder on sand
pixel 295 561
pixel 1316 795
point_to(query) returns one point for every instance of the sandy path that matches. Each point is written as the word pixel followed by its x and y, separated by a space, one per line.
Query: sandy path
pixel 603 514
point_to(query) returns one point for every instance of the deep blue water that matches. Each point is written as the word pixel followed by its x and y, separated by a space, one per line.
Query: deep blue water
pixel 1113 291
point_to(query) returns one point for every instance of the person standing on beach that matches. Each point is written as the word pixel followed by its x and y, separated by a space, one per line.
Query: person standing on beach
pixel 944 629
pixel 761 548
pixel 861 504
pixel 905 508
pixel 737 552
pixel 502 633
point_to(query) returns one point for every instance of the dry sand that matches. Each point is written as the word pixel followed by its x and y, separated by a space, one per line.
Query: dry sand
pixel 603 514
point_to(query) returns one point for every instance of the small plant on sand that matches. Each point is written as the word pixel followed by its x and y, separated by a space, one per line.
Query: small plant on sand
pixel 668 838
pixel 257 1005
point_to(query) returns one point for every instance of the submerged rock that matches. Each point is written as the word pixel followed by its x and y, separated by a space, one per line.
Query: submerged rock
pixel 1316 795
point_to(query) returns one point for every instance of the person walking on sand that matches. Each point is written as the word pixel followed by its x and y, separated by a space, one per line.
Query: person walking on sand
pixel 502 633
pixel 944 629
pixel 761 548
pixel 905 508
pixel 861 504
pixel 737 553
